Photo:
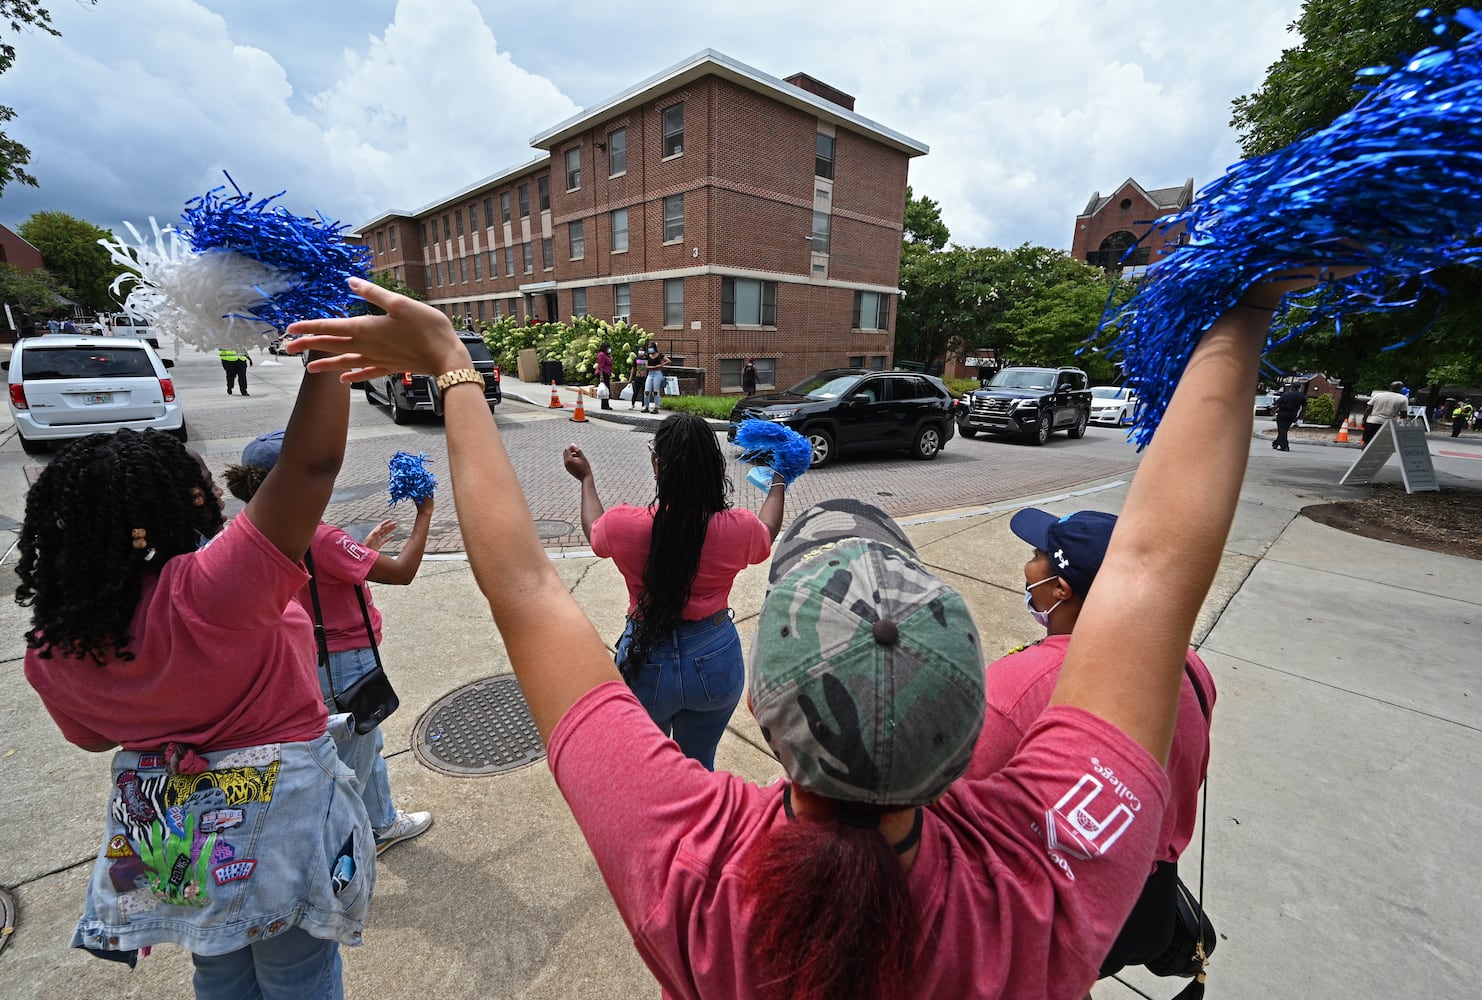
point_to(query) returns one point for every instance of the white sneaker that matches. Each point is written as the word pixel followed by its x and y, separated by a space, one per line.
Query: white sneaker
pixel 406 826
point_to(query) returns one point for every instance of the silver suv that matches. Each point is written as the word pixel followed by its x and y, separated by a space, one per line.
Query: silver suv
pixel 69 387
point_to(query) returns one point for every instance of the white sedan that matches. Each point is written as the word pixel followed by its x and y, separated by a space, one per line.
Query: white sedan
pixel 1112 404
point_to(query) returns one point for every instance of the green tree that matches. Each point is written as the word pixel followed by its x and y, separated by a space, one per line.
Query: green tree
pixel 37 292
pixel 924 225
pixel 18 16
pixel 69 246
pixel 387 280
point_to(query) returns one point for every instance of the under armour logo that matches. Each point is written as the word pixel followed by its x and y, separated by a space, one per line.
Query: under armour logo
pixel 1060 558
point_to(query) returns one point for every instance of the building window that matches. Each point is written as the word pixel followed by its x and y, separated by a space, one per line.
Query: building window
pixel 494 310
pixel 380 241
pixel 871 311
pixel 424 234
pixel 396 273
pixel 877 362
pixel 619 230
pixel 524 201
pixel 622 300
pixel 458 220
pixel 673 301
pixel 463 270
pixel 573 168
pixel 730 373
pixel 481 311
pixel 578 240
pixel 820 232
pixel 488 213
pixel 748 303
pixel 504 207
pixel 391 234
pixel 509 261
pixel 617 152
pixel 674 218
pixel 478 267
pixel 447 229
pixel 493 264
pixel 823 159
pixel 547 253
pixel 578 302
pixel 856 361
pixel 543 191
pixel 674 130
pixel 527 257
pixel 437 271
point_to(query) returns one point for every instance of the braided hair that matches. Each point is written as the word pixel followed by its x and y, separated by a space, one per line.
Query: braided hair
pixel 81 562
pixel 692 484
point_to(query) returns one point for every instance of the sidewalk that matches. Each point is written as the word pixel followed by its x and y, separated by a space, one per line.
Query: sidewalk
pixel 622 412
pixel 1341 846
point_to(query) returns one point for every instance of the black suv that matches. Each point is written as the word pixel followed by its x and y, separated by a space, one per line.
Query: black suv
pixel 847 409
pixel 1033 402
pixel 408 393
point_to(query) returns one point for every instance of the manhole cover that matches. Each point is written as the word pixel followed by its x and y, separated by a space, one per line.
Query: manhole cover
pixel 553 529
pixel 481 728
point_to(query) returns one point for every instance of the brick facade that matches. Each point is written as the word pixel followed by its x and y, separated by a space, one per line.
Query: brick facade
pixel 744 173
pixel 18 253
pixel 1112 223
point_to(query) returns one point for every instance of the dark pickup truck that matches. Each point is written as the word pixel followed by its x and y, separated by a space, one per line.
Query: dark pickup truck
pixel 1032 402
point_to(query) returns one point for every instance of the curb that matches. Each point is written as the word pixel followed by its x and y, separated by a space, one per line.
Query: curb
pixel 614 416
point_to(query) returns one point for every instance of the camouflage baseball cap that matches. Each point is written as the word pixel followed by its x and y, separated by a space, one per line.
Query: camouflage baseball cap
pixel 867 671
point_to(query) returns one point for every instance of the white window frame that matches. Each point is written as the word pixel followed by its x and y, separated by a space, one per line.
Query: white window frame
pixel 577 235
pixel 620 293
pixel 613 217
pixel 673 138
pixel 613 141
pixel 673 306
pixel 674 224
pixel 573 173
pixel 578 302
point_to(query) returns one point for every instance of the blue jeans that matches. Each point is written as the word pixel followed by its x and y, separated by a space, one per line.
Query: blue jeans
pixel 362 751
pixel 653 387
pixel 690 682
pixel 291 966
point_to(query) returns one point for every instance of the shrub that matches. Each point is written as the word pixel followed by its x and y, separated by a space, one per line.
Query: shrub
pixel 961 386
pixel 709 407
pixel 1320 410
pixel 573 344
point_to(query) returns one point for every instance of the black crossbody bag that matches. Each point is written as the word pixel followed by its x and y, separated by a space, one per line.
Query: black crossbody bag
pixel 371 699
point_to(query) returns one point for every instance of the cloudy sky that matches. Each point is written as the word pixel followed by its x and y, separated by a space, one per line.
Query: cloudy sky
pixel 355 107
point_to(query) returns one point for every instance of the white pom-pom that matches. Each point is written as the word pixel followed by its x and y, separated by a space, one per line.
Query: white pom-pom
pixel 202 299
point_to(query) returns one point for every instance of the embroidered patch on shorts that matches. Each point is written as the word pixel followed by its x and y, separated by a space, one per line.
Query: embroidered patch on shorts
pixel 118 847
pixel 233 871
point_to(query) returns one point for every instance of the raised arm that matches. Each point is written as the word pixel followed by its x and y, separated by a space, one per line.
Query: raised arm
pixel 771 513
pixel 576 463
pixel 401 569
pixel 1126 655
pixel 288 505
pixel 556 653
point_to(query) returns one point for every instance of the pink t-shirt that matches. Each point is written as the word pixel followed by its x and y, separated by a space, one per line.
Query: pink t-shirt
pixel 734 540
pixel 1021 883
pixel 1019 688
pixel 340 564
pixel 223 658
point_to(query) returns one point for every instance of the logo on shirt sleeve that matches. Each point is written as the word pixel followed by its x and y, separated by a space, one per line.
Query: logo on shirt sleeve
pixel 354 549
pixel 1091 816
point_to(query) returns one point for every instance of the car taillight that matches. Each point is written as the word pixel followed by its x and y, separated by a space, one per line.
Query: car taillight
pixel 406 378
pixel 167 386
pixel 496 373
pixel 18 396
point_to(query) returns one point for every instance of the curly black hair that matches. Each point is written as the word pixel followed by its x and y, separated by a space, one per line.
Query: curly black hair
pixel 79 568
pixel 692 484
pixel 243 481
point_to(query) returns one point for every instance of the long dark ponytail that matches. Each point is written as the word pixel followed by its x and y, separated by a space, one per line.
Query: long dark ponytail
pixel 692 485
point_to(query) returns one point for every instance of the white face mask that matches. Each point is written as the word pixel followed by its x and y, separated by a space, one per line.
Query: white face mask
pixel 1043 617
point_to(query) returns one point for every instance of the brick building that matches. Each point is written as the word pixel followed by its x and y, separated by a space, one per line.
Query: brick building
pixel 1111 224
pixel 726 212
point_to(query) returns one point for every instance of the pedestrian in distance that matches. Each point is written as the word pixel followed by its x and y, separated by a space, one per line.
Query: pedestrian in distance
pixel 159 631
pixel 1383 407
pixel 871 870
pixel 653 386
pixel 604 373
pixel 748 377
pixel 679 555
pixel 1289 408
pixel 342 566
pixel 234 363
pixel 1461 417
pixel 1067 556
pixel 637 377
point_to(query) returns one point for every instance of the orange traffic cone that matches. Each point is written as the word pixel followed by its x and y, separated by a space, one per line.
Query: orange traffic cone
pixel 556 403
pixel 1342 437
pixel 579 415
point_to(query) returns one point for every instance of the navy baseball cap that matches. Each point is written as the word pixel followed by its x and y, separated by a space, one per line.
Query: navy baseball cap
pixel 263 451
pixel 1075 543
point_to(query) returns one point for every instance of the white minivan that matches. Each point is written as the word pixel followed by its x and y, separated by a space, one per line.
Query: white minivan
pixel 69 387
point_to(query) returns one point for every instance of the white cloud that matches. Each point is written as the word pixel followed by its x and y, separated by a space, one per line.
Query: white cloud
pixel 357 109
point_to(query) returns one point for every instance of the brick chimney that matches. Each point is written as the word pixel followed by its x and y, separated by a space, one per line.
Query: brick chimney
pixel 820 89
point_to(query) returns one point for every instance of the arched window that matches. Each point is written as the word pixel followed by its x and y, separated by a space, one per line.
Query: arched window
pixel 1109 255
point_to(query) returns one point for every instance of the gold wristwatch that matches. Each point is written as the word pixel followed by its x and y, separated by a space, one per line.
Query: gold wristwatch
pixel 447 380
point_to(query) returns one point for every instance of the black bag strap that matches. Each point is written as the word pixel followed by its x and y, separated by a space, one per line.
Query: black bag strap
pixel 370 633
pixel 320 639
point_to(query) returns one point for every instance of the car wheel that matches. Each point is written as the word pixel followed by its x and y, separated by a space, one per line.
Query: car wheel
pixel 1041 432
pixel 31 447
pixel 823 446
pixel 967 431
pixel 398 415
pixel 928 442
pixel 1079 430
pixel 183 434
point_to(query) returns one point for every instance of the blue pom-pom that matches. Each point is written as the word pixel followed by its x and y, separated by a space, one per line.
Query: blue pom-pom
pixel 410 479
pixel 783 450
pixel 1389 186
